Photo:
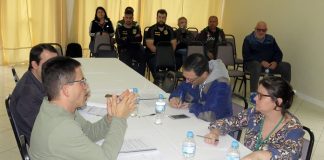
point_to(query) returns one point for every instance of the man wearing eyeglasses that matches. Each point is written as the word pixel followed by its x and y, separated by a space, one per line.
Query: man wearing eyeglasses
pixel 60 132
pixel 206 91
pixel 261 53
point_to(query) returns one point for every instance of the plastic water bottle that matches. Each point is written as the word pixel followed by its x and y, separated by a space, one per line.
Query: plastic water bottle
pixel 233 152
pixel 159 109
pixel 189 146
pixel 134 113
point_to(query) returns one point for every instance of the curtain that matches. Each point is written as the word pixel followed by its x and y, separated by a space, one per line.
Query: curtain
pixel 25 23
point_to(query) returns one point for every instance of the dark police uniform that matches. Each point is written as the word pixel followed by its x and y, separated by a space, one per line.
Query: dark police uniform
pixel 154 33
pixel 211 39
pixel 130 48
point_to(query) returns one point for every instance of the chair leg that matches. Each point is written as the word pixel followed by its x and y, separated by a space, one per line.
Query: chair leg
pixel 235 81
pixel 244 80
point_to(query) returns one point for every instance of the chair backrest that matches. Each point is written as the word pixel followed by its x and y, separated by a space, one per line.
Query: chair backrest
pixel 15 129
pixel 102 39
pixel 14 74
pixel 165 56
pixel 237 108
pixel 307 145
pixel 230 38
pixel 73 50
pixel 195 47
pixel 194 31
pixel 226 54
pixel 105 51
pixel 58 48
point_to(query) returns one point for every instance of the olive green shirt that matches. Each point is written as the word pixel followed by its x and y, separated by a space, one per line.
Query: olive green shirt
pixel 58 134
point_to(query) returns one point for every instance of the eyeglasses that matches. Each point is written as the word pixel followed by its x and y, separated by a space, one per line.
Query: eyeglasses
pixel 192 80
pixel 82 81
pixel 261 30
pixel 260 95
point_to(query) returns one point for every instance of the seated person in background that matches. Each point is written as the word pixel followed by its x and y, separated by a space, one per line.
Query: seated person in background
pixel 100 24
pixel 157 33
pixel 28 94
pixel 60 132
pixel 183 38
pixel 272 132
pixel 206 91
pixel 260 52
pixel 129 38
pixel 211 37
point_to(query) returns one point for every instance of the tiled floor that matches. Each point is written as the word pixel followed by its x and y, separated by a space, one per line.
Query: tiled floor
pixel 309 114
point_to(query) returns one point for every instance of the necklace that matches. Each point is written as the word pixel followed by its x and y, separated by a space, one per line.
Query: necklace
pixel 260 142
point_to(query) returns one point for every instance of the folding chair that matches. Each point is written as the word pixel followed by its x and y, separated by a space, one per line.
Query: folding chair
pixel 14 74
pixel 20 139
pixel 307 145
pixel 194 31
pixel 73 50
pixel 165 61
pixel 226 54
pixel 144 45
pixel 237 108
pixel 104 44
pixel 58 48
pixel 105 51
pixel 195 47
pixel 231 38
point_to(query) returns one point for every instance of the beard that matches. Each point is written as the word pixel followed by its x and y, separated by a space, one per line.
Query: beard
pixel 160 24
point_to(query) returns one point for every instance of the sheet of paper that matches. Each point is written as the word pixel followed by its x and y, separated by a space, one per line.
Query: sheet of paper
pixel 136 145
pixel 97 109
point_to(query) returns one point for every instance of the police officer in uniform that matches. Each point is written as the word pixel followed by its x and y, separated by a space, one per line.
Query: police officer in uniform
pixel 157 33
pixel 129 37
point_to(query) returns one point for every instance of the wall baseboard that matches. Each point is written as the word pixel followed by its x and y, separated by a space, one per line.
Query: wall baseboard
pixel 310 99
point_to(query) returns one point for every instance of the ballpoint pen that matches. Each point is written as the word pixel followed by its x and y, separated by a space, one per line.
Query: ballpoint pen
pixel 207 137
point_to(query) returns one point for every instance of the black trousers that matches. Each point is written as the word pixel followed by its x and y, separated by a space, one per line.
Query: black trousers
pixel 134 57
pixel 255 69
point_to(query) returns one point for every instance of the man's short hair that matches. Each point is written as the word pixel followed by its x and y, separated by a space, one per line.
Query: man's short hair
pixel 36 52
pixel 197 63
pixel 181 18
pixel 56 72
pixel 129 10
pixel 162 11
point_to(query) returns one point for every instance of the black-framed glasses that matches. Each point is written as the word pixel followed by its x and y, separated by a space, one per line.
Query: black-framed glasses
pixel 261 30
pixel 260 95
pixel 82 81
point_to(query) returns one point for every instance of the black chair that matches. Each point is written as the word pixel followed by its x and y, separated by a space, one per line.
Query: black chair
pixel 195 47
pixel 20 139
pixel 307 145
pixel 230 38
pixel 237 108
pixel 73 50
pixel 105 51
pixel 14 74
pixel 144 45
pixel 226 54
pixel 165 61
pixel 194 31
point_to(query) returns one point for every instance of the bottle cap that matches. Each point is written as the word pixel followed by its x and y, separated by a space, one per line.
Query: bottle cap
pixel 135 90
pixel 189 134
pixel 235 144
pixel 161 96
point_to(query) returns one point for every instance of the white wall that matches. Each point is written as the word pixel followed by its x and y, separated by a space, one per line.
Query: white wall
pixel 298 27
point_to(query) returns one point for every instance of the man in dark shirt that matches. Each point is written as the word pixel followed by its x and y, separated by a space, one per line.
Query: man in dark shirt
pixel 157 33
pixel 211 37
pixel 183 38
pixel 28 94
pixel 129 37
pixel 262 53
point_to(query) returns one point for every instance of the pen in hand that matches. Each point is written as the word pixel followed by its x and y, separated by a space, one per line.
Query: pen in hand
pixel 207 137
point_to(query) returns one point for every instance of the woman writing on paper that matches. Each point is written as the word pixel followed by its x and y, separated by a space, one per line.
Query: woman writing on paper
pixel 272 132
